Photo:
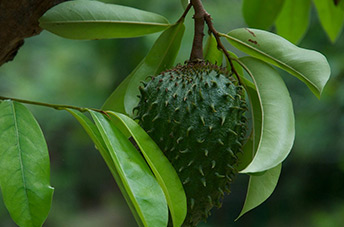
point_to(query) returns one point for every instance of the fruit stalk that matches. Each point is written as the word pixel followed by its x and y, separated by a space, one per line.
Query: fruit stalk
pixel 199 17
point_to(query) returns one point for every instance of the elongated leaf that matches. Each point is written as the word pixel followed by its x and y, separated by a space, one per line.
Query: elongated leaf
pixel 260 187
pixel 138 180
pixel 94 134
pixel 97 20
pixel 161 167
pixel 309 66
pixel 277 131
pixel 331 18
pixel 251 145
pixel 261 13
pixel 211 52
pixel 24 166
pixel 159 58
pixel 292 22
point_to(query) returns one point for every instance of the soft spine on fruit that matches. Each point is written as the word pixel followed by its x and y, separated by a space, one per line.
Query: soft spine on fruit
pixel 195 113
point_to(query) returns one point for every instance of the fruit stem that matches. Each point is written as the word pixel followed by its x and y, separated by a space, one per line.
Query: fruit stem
pixel 199 17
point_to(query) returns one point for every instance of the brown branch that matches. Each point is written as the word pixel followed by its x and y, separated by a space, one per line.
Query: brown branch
pixel 19 20
pixel 220 46
pixel 200 16
pixel 197 46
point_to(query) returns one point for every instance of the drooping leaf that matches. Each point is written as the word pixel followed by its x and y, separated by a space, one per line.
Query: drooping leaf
pixel 292 22
pixel 331 18
pixel 260 187
pixel 97 20
pixel 24 166
pixel 274 139
pixel 138 180
pixel 161 167
pixel 159 58
pixel 252 142
pixel 309 66
pixel 261 13
pixel 211 52
pixel 94 134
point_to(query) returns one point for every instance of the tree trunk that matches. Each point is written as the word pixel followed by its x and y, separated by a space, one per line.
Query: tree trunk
pixel 19 20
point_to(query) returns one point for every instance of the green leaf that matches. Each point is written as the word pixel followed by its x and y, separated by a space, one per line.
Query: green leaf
pixel 252 143
pixel 261 13
pixel 159 58
pixel 98 20
pixel 309 66
pixel 185 3
pixel 274 139
pixel 331 18
pixel 260 187
pixel 161 167
pixel 292 23
pixel 24 166
pixel 211 52
pixel 94 134
pixel 138 180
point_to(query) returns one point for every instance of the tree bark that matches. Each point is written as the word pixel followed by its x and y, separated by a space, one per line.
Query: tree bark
pixel 19 20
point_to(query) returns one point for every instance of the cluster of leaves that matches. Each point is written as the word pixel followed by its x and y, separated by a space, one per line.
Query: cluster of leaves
pixel 148 182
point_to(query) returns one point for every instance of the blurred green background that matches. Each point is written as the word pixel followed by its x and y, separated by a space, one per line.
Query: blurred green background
pixel 84 73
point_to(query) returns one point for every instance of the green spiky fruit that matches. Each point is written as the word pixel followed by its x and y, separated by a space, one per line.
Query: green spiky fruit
pixel 195 113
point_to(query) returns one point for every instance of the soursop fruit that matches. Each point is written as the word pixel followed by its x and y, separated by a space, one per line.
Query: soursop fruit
pixel 195 113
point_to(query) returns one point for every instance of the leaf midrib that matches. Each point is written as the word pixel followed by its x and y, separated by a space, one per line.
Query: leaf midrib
pixel 105 21
pixel 15 121
pixel 274 59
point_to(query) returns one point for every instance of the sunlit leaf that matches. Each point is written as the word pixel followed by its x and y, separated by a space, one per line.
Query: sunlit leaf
pixel 309 66
pixel 137 178
pixel 97 20
pixel 260 187
pixel 94 134
pixel 161 167
pixel 292 22
pixel 159 58
pixel 24 166
pixel 274 139
pixel 331 18
pixel 261 13
pixel 211 52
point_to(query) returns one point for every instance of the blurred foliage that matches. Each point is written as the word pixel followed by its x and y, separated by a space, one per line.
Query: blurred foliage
pixel 84 73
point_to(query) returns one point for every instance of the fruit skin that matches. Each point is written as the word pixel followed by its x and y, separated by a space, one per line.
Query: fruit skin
pixel 195 113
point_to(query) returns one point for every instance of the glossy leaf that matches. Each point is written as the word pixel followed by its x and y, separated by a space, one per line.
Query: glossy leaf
pixel 277 131
pixel 252 142
pixel 261 13
pixel 159 58
pixel 24 166
pixel 161 167
pixel 211 52
pixel 260 187
pixel 309 66
pixel 138 180
pixel 331 18
pixel 97 20
pixel 292 22
pixel 94 134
